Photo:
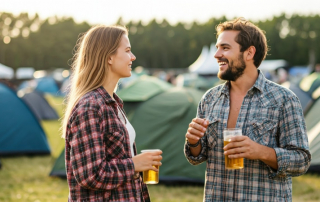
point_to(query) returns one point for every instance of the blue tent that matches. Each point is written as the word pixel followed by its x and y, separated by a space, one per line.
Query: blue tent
pixel 20 132
pixel 43 84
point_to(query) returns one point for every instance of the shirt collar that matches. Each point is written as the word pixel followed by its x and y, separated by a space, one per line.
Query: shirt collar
pixel 108 98
pixel 259 84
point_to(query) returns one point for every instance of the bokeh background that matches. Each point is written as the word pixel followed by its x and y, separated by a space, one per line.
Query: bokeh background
pixel 174 42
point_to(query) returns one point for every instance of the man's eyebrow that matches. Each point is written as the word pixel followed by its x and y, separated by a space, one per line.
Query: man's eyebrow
pixel 223 44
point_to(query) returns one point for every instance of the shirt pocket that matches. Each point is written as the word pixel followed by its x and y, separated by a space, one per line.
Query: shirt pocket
pixel 115 144
pixel 263 132
pixel 212 132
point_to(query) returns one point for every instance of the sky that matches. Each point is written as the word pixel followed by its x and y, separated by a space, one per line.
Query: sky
pixel 107 11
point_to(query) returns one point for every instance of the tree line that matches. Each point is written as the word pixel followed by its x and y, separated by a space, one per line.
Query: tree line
pixel 28 41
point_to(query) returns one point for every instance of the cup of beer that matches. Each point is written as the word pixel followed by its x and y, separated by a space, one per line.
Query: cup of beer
pixel 150 176
pixel 227 135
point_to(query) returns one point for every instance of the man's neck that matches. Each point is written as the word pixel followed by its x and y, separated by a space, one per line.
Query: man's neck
pixel 244 82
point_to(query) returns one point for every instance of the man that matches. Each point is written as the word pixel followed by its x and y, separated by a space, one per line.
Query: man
pixel 274 142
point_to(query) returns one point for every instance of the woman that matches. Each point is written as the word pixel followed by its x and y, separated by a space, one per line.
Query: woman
pixel 101 160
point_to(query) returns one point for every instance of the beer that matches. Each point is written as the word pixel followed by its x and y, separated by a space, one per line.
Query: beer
pixel 150 176
pixel 232 163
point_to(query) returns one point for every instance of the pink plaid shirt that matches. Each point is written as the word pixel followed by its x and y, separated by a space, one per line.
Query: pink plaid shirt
pixel 98 159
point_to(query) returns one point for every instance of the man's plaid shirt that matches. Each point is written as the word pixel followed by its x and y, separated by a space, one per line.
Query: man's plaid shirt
pixel 270 115
pixel 98 157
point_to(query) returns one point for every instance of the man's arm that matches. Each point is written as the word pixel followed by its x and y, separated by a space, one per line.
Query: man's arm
pixel 195 146
pixel 244 147
pixel 292 156
pixel 196 131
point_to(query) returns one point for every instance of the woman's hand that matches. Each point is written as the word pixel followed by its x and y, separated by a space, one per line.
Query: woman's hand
pixel 147 160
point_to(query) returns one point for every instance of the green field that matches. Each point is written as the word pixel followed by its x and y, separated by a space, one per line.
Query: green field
pixel 26 179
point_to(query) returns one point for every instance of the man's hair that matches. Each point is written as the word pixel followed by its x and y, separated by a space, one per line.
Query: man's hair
pixel 249 35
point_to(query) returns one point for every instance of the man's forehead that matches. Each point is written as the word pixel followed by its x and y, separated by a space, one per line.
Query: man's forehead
pixel 228 37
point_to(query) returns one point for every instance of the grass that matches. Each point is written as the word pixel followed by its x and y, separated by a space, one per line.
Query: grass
pixel 26 178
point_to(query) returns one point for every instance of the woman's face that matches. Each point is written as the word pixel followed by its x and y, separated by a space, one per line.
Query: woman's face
pixel 121 62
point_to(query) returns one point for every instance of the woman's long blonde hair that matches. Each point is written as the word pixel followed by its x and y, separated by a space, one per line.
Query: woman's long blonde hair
pixel 90 63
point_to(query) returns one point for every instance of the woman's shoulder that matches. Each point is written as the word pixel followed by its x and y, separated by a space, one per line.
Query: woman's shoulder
pixel 91 101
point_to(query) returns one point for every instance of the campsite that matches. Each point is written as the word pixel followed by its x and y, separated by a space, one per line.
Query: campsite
pixel 175 59
pixel 146 100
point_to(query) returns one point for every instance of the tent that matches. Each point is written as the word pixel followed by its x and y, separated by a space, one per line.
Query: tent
pixel 311 85
pixel 197 81
pixel 143 88
pixel 20 132
pixel 59 168
pixel 313 126
pixel 305 99
pixel 161 122
pixel 25 73
pixel 206 64
pixel 271 65
pixel 44 84
pixel 167 115
pixel 6 72
pixel 39 105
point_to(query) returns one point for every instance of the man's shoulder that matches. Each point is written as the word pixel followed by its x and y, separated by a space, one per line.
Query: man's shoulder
pixel 277 92
pixel 213 92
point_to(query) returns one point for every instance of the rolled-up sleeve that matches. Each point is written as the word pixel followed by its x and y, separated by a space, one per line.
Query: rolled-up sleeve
pixel 293 155
pixel 88 156
pixel 195 160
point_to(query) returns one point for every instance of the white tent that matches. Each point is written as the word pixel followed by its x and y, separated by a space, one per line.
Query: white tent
pixel 270 65
pixel 206 63
pixel 200 60
pixel 25 73
pixel 6 72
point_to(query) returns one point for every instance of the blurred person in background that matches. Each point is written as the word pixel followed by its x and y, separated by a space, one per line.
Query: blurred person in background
pixel 317 68
pixel 274 141
pixel 101 159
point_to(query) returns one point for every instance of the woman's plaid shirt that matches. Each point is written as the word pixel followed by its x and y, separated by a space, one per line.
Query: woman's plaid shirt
pixel 270 115
pixel 98 158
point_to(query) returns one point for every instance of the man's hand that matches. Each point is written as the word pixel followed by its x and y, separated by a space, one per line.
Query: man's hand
pixel 196 130
pixel 244 147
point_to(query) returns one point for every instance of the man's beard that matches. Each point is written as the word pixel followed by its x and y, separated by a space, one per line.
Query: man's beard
pixel 234 71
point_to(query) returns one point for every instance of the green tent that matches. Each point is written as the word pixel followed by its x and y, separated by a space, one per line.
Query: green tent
pixel 313 126
pixel 311 85
pixel 59 168
pixel 143 88
pixel 160 119
pixel 161 123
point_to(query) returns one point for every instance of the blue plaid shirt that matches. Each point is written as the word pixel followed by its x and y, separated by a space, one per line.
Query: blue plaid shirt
pixel 270 115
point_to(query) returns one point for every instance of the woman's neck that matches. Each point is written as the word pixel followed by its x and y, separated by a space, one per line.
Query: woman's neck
pixel 110 85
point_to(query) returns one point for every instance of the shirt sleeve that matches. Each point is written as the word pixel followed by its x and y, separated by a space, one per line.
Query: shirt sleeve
pixel 293 154
pixel 203 141
pixel 88 156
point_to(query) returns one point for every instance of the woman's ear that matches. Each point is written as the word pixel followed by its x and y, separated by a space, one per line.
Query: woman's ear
pixel 110 60
pixel 251 52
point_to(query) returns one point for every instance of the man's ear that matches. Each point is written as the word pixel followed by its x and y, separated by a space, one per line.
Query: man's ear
pixel 251 51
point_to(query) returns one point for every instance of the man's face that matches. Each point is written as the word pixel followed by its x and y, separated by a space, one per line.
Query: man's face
pixel 229 57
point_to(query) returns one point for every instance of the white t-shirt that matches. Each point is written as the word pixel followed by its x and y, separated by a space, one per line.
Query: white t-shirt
pixel 130 129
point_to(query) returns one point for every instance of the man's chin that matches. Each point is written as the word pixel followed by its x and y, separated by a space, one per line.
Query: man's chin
pixel 221 76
